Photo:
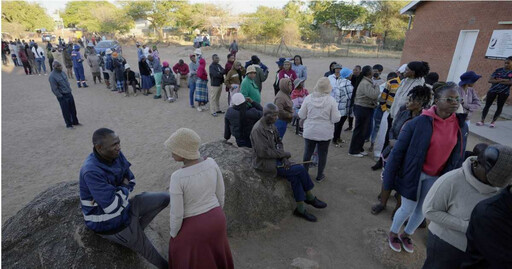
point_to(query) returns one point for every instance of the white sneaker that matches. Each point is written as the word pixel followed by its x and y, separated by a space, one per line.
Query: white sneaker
pixel 169 99
pixel 364 153
pixel 199 108
pixel 358 155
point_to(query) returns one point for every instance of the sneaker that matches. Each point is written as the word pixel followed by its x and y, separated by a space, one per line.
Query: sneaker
pixel 316 203
pixel 364 153
pixel 85 85
pixel 394 243
pixel 70 127
pixel 214 114
pixel 134 94
pixel 220 112
pixel 320 179
pixel 192 106
pixel 200 109
pixel 358 155
pixel 348 129
pixel 125 95
pixel 493 125
pixel 480 123
pixel 157 97
pixel 407 243
pixel 169 99
pixel 305 215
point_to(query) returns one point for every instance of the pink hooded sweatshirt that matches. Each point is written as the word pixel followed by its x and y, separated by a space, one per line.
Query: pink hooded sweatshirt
pixel 442 142
pixel 201 71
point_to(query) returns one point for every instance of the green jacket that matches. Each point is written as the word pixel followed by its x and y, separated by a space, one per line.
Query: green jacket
pixel 261 76
pixel 250 89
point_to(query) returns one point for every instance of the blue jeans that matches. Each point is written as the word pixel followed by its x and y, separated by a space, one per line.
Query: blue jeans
pixel 192 90
pixel 377 117
pixel 299 179
pixel 40 62
pixel 281 127
pixel 412 210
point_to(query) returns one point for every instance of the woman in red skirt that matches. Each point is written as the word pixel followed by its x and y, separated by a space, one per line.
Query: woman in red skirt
pixel 198 224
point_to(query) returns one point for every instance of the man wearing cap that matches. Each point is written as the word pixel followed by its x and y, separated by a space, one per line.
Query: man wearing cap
pixel 271 159
pixel 106 181
pixel 198 54
pixel 261 71
pixel 217 79
pixel 249 87
pixel 62 90
pixel 193 66
pixel 489 231
pixel 470 100
pixel 452 198
pixel 240 118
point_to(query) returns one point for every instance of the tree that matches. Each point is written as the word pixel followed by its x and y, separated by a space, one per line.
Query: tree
pixel 339 15
pixel 265 22
pixel 30 16
pixel 298 11
pixel 101 17
pixel 385 19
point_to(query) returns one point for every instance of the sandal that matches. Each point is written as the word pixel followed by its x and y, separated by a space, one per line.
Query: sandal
pixel 492 125
pixel 480 123
pixel 376 209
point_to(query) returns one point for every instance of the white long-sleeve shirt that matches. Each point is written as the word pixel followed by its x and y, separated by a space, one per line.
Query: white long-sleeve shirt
pixel 195 190
pixel 39 52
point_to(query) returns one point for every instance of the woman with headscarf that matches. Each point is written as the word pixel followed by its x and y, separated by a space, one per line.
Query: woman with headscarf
pixel 452 198
pixel 319 112
pixel 428 146
pixel 287 72
pixel 197 197
pixel 145 75
pixel 299 68
pixel 201 94
pixel 413 76
pixel 364 104
pixel 342 92
pixel 284 103
pixel 234 79
pixel 240 118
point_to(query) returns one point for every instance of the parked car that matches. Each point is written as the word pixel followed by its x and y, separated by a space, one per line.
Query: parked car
pixel 108 44
pixel 48 37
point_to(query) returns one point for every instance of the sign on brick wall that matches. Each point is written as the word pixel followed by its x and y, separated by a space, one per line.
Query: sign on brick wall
pixel 500 46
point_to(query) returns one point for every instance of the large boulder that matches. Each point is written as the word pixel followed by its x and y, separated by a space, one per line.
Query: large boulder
pixel 253 200
pixel 50 233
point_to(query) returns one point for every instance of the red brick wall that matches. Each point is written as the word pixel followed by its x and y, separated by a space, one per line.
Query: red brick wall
pixel 435 31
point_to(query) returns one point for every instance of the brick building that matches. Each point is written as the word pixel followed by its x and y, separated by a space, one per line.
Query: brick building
pixel 454 37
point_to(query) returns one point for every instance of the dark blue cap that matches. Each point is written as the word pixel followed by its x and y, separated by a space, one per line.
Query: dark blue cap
pixel 469 77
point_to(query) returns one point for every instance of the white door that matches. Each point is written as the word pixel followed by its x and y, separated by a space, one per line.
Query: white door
pixel 462 54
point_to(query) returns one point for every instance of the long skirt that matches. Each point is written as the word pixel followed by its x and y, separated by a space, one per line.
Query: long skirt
pixel 146 82
pixel 201 91
pixel 202 242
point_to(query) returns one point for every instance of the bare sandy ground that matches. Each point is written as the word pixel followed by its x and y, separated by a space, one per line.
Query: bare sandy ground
pixel 38 151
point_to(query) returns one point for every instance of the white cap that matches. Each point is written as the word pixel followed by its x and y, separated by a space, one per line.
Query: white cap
pixel 108 51
pixel 237 99
pixel 401 69
pixel 198 51
pixel 126 66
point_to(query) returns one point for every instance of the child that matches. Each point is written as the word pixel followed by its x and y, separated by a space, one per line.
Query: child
pixel 169 85
pixel 298 95
pixel 201 86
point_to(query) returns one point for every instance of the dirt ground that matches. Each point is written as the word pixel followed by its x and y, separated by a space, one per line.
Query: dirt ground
pixel 38 151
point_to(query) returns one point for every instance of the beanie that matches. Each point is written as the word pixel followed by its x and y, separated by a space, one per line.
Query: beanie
pixel 184 143
pixel 237 99
pixel 323 85
pixel 500 175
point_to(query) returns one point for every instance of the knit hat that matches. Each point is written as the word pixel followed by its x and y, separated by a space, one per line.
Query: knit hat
pixel 108 51
pixel 255 59
pixel 184 143
pixel 251 69
pixel 165 64
pixel 469 77
pixel 345 72
pixel 126 66
pixel 237 99
pixel 323 85
pixel 500 175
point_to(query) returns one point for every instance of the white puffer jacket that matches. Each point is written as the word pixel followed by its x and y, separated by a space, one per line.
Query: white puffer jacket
pixel 320 112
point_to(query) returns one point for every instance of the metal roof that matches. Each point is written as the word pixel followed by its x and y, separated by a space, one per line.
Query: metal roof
pixel 410 8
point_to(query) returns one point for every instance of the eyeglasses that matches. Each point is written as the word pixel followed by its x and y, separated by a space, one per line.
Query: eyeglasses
pixel 456 100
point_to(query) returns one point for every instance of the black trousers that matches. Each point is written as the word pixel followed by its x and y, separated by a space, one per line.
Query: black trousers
pixel 323 149
pixel 441 255
pixel 338 126
pixel 491 96
pixel 363 118
pixel 67 105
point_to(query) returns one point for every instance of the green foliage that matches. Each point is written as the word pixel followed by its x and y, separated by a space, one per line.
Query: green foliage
pixel 385 19
pixel 100 16
pixel 339 15
pixel 30 16
pixel 298 11
pixel 266 23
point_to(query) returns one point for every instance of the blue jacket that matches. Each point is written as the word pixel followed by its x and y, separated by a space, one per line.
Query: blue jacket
pixel 109 63
pixel 103 196
pixel 405 163
pixel 76 57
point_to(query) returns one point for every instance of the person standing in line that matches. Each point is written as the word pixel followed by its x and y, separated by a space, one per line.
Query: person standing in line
pixel 355 82
pixel 248 87
pixel 94 63
pixel 66 57
pixel 40 58
pixel 51 58
pixel 233 48
pixel 155 52
pixel 197 197
pixel 117 61
pixel 157 73
pixel 377 112
pixel 193 66
pixel 428 146
pixel 227 68
pixel 201 95
pixel 319 112
pixel 342 93
pixel 140 53
pixel 78 67
pixel 501 80
pixel 217 79
pixel 31 59
pixel 234 79
pixel 452 198
pixel 62 90
pixel 470 101
pixel 284 103
pixel 24 60
pixel 364 104
pixel 145 76
pixel 300 69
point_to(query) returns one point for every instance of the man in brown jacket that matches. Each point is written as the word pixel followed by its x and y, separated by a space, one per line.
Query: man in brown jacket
pixel 270 157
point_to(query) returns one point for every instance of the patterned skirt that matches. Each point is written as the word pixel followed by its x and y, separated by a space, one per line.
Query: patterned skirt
pixel 201 91
pixel 146 82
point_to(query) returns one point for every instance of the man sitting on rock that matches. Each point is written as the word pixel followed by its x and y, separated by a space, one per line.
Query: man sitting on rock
pixel 105 183
pixel 271 158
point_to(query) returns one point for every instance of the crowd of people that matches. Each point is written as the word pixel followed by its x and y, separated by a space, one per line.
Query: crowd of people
pixel 416 127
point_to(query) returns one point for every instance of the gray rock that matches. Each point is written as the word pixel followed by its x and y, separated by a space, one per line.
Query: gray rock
pixel 50 233
pixel 253 200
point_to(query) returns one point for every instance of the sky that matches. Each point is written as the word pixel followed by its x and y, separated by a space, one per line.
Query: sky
pixel 236 6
